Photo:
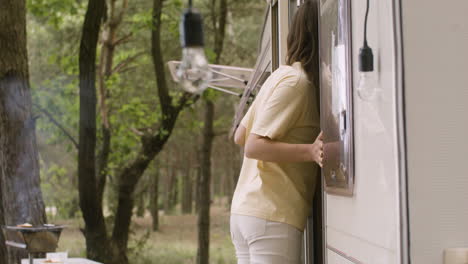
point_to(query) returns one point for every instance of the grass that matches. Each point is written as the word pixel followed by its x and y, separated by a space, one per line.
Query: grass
pixel 174 243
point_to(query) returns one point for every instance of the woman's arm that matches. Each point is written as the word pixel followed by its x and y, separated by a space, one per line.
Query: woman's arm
pixel 239 136
pixel 263 148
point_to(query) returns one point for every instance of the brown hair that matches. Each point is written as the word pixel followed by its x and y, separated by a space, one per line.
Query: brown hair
pixel 303 40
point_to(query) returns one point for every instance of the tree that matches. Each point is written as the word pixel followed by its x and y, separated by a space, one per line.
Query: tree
pixel 109 42
pixel 126 99
pixel 187 185
pixel 219 24
pixel 204 188
pixel 154 208
pixel 20 194
pixel 99 245
pixel 152 141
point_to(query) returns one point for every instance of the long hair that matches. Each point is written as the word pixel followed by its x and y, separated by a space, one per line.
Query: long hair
pixel 303 40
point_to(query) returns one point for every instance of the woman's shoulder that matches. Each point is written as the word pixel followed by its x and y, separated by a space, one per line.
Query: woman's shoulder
pixel 294 74
pixel 289 71
pixel 286 74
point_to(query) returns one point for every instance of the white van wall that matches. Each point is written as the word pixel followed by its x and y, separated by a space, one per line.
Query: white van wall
pixel 365 228
pixel 435 35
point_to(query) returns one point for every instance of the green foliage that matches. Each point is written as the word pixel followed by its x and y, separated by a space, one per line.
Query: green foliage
pixel 210 95
pixel 179 253
pixel 54 30
pixel 141 21
pixel 55 12
pixel 58 191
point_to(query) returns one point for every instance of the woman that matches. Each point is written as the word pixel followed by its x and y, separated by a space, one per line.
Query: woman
pixel 275 188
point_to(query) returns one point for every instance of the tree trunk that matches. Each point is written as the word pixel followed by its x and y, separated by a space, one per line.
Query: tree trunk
pixel 204 193
pixel 141 205
pixel 102 162
pixel 154 206
pixel 219 24
pixel 170 189
pixel 174 190
pixel 97 244
pixel 187 183
pixel 3 250
pixel 207 142
pixel 128 178
pixel 109 43
pixel 198 180
pixel 197 190
pixel 20 193
pixel 169 181
pixel 74 208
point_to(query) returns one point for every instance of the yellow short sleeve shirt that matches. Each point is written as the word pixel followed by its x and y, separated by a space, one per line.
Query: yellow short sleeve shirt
pixel 285 110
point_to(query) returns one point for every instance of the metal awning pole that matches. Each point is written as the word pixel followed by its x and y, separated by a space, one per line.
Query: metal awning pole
pixel 230 76
pixel 224 90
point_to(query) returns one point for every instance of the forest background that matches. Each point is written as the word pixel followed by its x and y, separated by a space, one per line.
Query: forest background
pixel 137 170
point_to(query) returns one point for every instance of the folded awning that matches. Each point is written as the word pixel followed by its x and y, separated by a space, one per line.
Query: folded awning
pixel 224 78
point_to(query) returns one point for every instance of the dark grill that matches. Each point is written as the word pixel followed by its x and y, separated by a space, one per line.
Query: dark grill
pixel 34 240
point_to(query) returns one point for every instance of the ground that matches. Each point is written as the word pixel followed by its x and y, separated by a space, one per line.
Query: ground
pixel 175 243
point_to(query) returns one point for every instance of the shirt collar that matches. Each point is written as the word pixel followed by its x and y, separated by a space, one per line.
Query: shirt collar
pixel 297 65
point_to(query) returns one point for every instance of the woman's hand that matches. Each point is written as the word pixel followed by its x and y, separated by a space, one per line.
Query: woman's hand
pixel 316 150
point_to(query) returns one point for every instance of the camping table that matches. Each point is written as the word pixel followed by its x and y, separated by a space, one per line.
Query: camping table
pixel 68 261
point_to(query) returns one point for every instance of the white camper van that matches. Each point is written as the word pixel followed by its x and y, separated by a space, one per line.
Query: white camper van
pixel 397 190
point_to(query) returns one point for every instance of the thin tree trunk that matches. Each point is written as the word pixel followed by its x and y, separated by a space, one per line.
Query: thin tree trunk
pixel 20 193
pixel 222 184
pixel 103 160
pixel 154 206
pixel 74 208
pixel 219 23
pixel 3 250
pixel 197 180
pixel 173 191
pixel 171 185
pixel 197 187
pixel 169 180
pixel 97 244
pixel 141 205
pixel 204 192
pixel 214 183
pixel 207 142
pixel 109 43
pixel 187 190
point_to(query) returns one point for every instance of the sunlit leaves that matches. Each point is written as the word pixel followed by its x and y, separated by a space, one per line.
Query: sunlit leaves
pixel 54 30
pixel 141 21
pixel 56 12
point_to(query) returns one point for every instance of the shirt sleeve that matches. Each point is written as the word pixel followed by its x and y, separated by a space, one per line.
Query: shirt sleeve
pixel 281 111
pixel 247 119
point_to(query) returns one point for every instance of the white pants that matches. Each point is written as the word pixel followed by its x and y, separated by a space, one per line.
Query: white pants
pixel 259 241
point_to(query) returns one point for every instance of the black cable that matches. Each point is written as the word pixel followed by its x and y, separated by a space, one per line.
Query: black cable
pixel 366 58
pixel 365 24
